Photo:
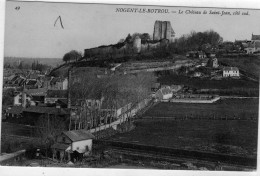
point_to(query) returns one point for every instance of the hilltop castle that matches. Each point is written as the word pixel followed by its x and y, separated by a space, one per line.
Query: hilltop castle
pixel 163 34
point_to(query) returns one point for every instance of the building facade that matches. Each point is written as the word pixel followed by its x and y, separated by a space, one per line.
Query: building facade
pixel 230 72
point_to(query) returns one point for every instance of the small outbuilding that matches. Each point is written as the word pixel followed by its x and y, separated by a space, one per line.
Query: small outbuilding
pixel 72 145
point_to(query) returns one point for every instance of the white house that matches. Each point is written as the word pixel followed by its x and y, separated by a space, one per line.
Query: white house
pixel 164 93
pixel 230 72
pixel 71 144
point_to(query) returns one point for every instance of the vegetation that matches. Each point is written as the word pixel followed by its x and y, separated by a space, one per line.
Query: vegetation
pixel 48 128
pixel 198 41
pixel 134 87
pixel 72 56
pixel 8 97
pixel 116 90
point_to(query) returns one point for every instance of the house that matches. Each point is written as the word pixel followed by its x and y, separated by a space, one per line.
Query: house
pixel 52 96
pixel 201 55
pixel 164 93
pixel 253 46
pixel 55 83
pixel 197 74
pixel 213 62
pixel 230 72
pixel 72 145
pixel 21 97
pixel 14 112
pixel 176 88
pixel 16 81
pixel 31 96
pixel 59 84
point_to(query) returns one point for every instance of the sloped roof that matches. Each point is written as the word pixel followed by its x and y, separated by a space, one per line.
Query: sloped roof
pixel 47 110
pixel 36 92
pixel 57 79
pixel 33 76
pixel 78 135
pixel 31 82
pixel 230 69
pixel 166 90
pixel 255 37
pixel 57 94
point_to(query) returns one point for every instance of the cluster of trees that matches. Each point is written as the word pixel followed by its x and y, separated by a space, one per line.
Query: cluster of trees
pixel 49 127
pixel 8 95
pixel 40 67
pixel 72 56
pixel 199 41
pixel 116 90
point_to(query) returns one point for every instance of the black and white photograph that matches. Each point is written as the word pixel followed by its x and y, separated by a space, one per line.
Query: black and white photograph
pixel 125 86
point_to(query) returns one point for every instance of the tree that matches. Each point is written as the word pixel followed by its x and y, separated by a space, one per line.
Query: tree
pixel 128 39
pixel 48 127
pixel 73 55
pixel 144 37
pixel 8 96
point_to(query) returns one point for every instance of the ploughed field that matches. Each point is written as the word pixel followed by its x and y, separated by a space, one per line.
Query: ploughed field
pixel 236 137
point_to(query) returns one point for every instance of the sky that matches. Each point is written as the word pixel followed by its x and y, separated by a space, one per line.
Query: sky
pixel 30 30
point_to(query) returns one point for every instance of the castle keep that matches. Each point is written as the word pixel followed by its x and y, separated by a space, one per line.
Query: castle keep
pixel 163 30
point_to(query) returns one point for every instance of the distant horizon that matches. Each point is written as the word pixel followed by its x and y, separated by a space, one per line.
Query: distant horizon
pixel 32 31
pixel 18 57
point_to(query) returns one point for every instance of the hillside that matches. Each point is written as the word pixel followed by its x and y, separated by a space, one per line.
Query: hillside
pixel 250 65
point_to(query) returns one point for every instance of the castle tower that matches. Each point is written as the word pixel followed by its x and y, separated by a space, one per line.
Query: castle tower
pixel 157 30
pixel 163 30
pixel 137 44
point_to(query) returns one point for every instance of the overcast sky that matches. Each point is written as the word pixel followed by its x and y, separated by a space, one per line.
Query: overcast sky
pixel 30 30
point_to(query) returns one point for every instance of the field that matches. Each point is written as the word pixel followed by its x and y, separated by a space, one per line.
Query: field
pixel 240 108
pixel 248 64
pixel 206 83
pixel 226 137
pixel 238 137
